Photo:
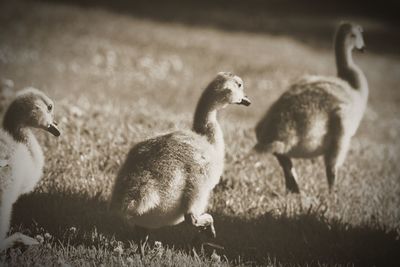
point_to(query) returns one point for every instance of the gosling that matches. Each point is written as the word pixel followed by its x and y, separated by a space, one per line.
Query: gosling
pixel 168 179
pixel 21 157
pixel 318 115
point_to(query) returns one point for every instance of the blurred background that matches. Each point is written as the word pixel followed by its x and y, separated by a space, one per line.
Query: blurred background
pixel 123 71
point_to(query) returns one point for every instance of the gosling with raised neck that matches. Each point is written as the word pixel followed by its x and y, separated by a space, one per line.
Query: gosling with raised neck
pixel 21 157
pixel 318 115
pixel 168 179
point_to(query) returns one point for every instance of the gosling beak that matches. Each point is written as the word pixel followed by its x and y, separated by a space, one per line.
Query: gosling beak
pixel 362 49
pixel 52 128
pixel 245 101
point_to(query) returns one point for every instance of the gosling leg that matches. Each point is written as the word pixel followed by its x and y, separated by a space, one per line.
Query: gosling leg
pixel 336 154
pixel 289 173
pixel 204 221
pixel 19 238
pixel 5 218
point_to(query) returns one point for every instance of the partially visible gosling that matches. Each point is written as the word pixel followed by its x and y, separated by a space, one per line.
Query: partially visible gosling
pixel 168 179
pixel 6 91
pixel 318 115
pixel 21 158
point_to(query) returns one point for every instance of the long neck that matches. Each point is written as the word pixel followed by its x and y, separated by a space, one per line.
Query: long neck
pixel 25 136
pixel 205 121
pixel 12 126
pixel 348 70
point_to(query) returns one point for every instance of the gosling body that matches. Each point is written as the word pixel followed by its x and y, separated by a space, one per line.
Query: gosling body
pixel 173 173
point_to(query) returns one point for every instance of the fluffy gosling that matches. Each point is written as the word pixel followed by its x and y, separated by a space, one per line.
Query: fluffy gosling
pixel 168 179
pixel 21 157
pixel 318 115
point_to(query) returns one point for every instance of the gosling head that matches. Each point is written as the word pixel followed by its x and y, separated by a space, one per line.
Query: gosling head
pixel 31 108
pixel 351 36
pixel 226 89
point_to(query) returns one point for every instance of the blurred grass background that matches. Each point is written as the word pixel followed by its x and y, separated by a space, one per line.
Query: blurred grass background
pixel 124 71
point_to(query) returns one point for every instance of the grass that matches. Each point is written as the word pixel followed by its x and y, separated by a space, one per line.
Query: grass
pixel 119 76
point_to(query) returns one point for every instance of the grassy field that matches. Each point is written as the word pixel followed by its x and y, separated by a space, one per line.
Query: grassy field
pixel 120 74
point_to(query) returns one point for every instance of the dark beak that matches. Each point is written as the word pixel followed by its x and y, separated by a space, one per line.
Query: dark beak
pixel 52 128
pixel 362 49
pixel 245 101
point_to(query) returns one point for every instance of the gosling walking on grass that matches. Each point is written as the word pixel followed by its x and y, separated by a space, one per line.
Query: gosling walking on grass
pixel 168 179
pixel 318 115
pixel 21 157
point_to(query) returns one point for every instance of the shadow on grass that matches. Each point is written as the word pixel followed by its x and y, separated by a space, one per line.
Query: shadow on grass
pixel 310 21
pixel 307 238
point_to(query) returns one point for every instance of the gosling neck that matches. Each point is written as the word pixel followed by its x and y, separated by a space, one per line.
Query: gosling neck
pixel 205 120
pixel 13 126
pixel 348 70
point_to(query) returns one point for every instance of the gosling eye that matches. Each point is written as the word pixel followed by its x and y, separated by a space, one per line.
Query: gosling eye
pixel 353 35
pixel 50 107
